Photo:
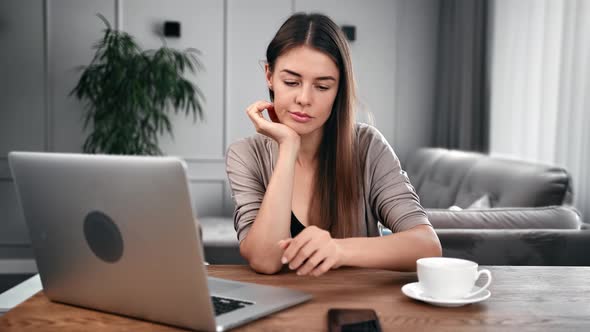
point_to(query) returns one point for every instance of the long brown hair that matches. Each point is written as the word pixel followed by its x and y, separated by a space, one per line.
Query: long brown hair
pixel 337 184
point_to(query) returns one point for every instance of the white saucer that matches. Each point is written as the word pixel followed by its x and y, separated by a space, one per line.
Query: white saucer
pixel 414 290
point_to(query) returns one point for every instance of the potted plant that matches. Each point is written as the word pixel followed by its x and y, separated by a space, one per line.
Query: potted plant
pixel 129 94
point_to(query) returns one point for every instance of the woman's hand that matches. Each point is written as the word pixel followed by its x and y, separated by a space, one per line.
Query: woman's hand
pixel 313 252
pixel 273 129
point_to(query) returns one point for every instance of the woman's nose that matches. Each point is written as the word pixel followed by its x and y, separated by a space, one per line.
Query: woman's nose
pixel 303 98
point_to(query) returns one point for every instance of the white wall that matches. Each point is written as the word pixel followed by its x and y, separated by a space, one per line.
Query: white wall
pixel 525 46
pixel 540 81
pixel 22 101
pixel 251 25
pixel 43 41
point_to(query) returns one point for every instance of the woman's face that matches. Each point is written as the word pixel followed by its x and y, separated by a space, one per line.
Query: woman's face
pixel 305 84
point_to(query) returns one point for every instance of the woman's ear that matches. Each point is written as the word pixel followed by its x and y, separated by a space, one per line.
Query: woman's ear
pixel 268 75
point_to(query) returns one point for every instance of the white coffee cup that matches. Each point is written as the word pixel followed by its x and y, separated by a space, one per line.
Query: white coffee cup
pixel 449 278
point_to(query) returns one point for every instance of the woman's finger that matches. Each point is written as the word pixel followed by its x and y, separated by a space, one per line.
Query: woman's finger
pixel 257 108
pixel 254 112
pixel 304 254
pixel 312 262
pixel 296 244
pixel 324 267
pixel 283 244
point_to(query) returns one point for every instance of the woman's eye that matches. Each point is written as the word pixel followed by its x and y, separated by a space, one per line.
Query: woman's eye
pixel 290 83
pixel 322 88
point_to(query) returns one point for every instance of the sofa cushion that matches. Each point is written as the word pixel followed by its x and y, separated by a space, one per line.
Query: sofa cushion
pixel 513 183
pixel 420 164
pixel 484 202
pixel 439 181
pixel 451 177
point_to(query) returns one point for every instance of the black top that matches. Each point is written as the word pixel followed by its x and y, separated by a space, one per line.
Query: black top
pixel 296 225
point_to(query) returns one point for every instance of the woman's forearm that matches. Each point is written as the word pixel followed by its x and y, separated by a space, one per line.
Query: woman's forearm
pixel 397 252
pixel 273 221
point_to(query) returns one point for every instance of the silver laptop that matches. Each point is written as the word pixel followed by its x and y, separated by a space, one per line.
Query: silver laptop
pixel 117 234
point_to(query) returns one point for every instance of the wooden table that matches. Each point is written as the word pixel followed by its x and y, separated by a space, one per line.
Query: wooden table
pixel 523 299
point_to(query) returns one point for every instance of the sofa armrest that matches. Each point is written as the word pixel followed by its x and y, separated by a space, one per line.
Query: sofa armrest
pixel 518 246
pixel 548 217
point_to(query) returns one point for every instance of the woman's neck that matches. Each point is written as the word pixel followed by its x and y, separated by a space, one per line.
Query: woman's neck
pixel 309 149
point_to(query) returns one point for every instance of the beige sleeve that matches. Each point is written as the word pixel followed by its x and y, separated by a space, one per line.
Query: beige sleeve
pixel 393 199
pixel 247 187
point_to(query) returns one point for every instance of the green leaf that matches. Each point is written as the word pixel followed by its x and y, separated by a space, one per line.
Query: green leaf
pixel 128 93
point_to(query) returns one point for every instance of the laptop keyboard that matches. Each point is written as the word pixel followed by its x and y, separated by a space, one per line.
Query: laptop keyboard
pixel 223 305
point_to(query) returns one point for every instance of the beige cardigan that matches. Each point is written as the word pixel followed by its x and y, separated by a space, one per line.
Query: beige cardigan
pixel 386 191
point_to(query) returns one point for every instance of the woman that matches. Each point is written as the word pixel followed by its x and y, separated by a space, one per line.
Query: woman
pixel 310 188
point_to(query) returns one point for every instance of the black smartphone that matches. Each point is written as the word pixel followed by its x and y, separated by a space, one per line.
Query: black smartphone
pixel 353 320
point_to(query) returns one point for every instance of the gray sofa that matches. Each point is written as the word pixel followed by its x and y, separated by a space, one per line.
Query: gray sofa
pixel 528 219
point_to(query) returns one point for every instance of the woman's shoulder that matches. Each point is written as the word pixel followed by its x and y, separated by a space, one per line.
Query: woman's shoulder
pixel 372 145
pixel 252 152
pixel 367 135
pixel 250 144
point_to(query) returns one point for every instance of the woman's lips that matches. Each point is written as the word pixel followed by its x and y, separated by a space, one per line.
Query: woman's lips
pixel 300 117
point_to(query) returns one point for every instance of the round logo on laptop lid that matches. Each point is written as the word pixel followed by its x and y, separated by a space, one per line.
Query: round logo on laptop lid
pixel 103 237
